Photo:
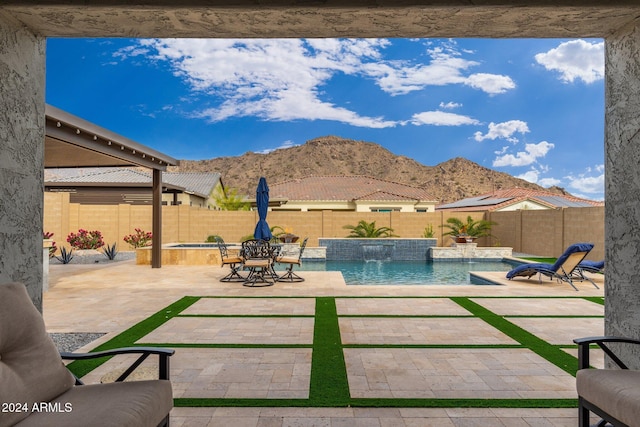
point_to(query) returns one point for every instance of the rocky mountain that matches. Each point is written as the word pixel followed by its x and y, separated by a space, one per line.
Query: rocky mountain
pixel 331 155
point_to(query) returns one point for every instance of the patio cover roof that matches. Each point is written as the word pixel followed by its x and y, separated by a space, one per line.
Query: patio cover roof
pixel 74 142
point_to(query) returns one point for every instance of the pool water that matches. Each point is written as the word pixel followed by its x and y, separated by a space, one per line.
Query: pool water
pixel 404 272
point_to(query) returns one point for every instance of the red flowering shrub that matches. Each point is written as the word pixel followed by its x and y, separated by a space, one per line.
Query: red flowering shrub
pixel 85 239
pixel 53 248
pixel 140 239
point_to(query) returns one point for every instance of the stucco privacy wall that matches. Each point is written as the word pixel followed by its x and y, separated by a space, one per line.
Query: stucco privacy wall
pixel 544 233
pixel 21 155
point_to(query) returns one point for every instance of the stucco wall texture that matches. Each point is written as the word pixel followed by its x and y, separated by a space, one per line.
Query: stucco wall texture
pixel 21 156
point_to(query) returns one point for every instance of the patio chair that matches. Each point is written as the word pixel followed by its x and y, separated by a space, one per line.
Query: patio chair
pixel 234 262
pixel 45 393
pixel 564 269
pixel 588 266
pixel 612 394
pixel 258 258
pixel 289 275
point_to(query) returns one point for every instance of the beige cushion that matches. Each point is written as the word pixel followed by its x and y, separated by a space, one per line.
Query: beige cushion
pixel 125 404
pixel 31 370
pixel 259 262
pixel 288 260
pixel 617 392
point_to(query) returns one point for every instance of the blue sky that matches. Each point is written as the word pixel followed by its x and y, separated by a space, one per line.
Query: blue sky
pixel 533 108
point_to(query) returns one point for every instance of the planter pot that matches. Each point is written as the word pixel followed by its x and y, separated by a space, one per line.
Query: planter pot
pixel 464 239
pixel 288 238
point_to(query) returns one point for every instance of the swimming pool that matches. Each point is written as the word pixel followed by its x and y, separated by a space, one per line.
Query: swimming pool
pixel 405 272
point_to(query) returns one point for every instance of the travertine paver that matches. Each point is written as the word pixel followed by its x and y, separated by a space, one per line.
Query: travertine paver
pixel 372 417
pixel 454 373
pixel 542 306
pixel 399 306
pixel 234 330
pixel 560 330
pixel 253 306
pixel 241 373
pixel 406 330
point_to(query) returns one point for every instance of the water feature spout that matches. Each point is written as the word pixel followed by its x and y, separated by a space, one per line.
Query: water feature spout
pixel 377 251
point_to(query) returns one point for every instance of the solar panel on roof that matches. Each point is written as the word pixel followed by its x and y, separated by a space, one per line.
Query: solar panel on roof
pixel 476 201
pixel 562 202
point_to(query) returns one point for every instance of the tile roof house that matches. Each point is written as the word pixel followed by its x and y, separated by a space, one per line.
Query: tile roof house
pixel 131 185
pixel 517 199
pixel 350 193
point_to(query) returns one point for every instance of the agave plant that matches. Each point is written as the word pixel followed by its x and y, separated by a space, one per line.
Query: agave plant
pixel 366 229
pixel 110 251
pixel 471 228
pixel 65 255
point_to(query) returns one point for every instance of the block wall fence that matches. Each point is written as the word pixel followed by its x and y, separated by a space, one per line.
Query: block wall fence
pixel 538 232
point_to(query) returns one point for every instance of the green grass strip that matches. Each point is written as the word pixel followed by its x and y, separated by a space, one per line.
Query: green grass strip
pixel 597 300
pixel 328 385
pixel 550 352
pixel 128 338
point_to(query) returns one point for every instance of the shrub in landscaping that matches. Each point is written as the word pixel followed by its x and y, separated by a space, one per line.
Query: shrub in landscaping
pixel 139 239
pixel 85 239
pixel 53 248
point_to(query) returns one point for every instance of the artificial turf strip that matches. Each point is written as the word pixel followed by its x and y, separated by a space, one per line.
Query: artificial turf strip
pixel 128 338
pixel 328 385
pixel 597 300
pixel 550 352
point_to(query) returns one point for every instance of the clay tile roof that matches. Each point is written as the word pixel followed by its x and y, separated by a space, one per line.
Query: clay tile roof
pixel 501 198
pixel 345 188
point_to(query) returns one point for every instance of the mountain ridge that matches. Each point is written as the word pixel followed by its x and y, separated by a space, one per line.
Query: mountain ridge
pixel 448 181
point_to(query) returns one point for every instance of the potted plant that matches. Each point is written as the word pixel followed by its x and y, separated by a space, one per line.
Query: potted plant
pixel 285 235
pixel 467 232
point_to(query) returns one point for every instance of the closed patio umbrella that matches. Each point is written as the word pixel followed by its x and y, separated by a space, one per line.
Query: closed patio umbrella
pixel 262 201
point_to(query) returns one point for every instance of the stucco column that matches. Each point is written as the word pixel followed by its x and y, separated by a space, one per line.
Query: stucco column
pixel 22 77
pixel 622 186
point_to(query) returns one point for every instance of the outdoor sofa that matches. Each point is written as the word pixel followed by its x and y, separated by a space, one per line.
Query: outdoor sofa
pixel 612 394
pixel 36 389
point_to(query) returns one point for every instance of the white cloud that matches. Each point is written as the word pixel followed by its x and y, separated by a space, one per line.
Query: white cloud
pixel 524 158
pixel 285 144
pixel 587 184
pixel 273 79
pixel 442 118
pixel 446 67
pixel 575 59
pixel 531 176
pixel 549 182
pixel 283 79
pixel 492 84
pixel 450 105
pixel 504 130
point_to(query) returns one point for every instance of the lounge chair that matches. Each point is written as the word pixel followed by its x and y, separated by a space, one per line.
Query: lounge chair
pixel 234 262
pixel 594 267
pixel 289 275
pixel 564 269
pixel 38 390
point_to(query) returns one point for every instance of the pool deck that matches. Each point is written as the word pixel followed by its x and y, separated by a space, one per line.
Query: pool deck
pixel 111 298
